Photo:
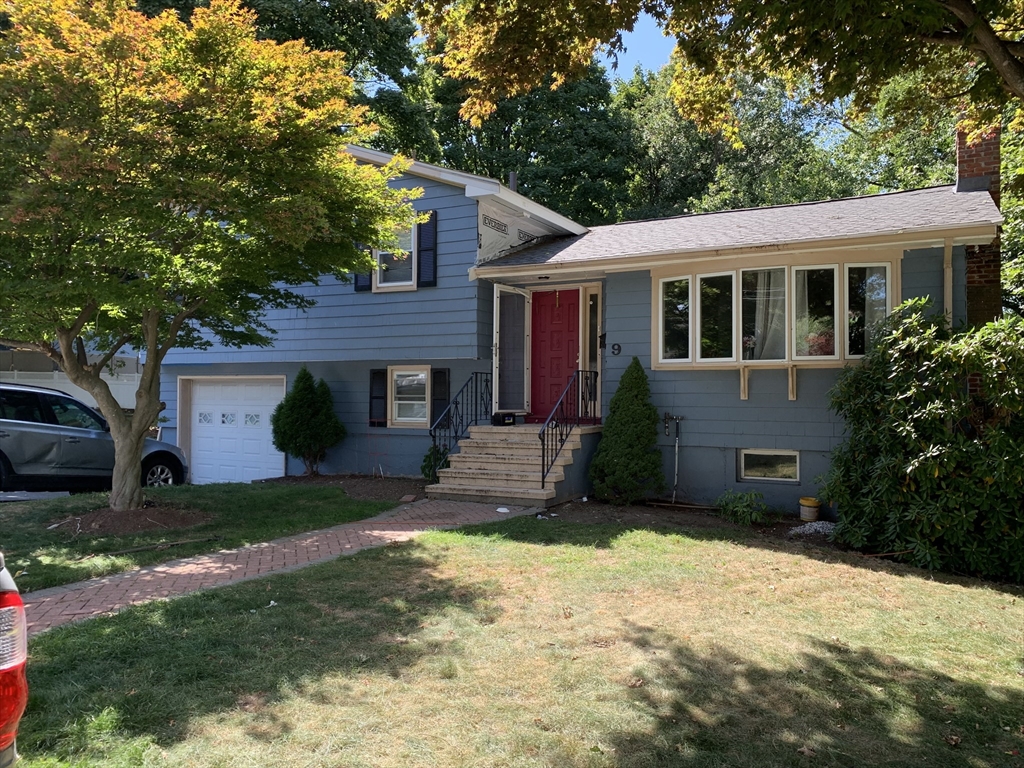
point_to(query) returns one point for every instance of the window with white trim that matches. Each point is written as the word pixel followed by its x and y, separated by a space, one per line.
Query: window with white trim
pixel 715 317
pixel 815 304
pixel 409 396
pixel 867 304
pixel 415 268
pixel 769 465
pixel 397 270
pixel 675 319
pixel 763 313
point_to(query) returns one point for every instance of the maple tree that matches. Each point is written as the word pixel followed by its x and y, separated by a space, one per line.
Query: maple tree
pixel 965 47
pixel 165 183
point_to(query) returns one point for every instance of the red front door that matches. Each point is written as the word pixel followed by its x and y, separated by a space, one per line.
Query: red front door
pixel 556 347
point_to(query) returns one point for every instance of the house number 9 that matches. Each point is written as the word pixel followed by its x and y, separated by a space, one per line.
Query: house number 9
pixel 616 349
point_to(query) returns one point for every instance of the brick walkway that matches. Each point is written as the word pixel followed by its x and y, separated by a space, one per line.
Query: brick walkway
pixel 48 608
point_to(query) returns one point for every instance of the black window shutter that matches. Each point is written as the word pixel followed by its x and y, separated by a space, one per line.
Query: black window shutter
pixel 379 397
pixel 439 393
pixel 426 251
pixel 364 282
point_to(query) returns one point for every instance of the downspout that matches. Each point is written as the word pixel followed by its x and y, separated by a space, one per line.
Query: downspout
pixel 947 280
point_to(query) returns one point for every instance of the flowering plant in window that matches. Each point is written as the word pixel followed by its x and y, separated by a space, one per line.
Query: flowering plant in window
pixel 815 337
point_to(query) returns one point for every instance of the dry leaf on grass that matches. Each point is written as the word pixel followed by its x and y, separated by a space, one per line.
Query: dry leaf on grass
pixel 806 751
pixel 636 682
pixel 952 739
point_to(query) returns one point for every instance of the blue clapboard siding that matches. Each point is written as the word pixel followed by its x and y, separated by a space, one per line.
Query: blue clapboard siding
pixel 397 452
pixel 716 423
pixel 441 322
pixel 922 276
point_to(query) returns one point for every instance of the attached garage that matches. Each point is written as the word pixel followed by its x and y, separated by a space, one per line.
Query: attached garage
pixel 224 425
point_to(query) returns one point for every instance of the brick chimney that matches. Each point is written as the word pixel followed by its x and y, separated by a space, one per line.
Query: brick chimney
pixel 977 168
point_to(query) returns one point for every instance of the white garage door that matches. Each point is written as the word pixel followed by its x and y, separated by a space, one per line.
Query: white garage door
pixel 231 430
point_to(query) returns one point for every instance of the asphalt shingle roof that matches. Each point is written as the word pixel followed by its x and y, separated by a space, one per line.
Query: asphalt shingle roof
pixel 919 210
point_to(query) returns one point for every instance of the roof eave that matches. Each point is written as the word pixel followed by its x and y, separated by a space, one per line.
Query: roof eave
pixel 976 233
pixel 476 187
pixel 533 210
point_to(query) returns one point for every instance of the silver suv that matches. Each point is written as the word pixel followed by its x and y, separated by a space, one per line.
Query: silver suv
pixel 51 442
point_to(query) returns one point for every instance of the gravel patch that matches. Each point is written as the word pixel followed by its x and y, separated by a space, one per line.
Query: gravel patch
pixel 822 527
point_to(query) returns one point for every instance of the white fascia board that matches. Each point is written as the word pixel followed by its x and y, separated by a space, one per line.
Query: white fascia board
pixel 468 181
pixel 506 198
pixel 477 187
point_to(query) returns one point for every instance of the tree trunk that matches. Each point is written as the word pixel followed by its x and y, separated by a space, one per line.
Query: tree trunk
pixel 128 432
pixel 126 490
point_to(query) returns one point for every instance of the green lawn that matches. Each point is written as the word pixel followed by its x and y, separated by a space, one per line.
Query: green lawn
pixel 538 643
pixel 240 514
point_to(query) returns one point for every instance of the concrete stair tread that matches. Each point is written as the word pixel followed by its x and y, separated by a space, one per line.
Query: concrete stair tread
pixel 526 474
pixel 498 461
pixel 491 495
pixel 517 446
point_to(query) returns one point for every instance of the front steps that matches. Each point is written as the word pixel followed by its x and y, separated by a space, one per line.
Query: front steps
pixel 502 465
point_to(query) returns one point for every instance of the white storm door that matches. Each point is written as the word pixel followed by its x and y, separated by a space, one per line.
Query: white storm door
pixel 511 368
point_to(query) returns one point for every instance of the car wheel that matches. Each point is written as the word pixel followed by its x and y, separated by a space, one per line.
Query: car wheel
pixel 156 472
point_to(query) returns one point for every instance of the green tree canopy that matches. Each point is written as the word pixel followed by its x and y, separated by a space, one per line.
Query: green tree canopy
pixel 567 146
pixel 164 184
pixel 506 47
pixel 670 163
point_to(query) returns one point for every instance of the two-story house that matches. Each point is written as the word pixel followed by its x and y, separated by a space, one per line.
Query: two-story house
pixel 742 319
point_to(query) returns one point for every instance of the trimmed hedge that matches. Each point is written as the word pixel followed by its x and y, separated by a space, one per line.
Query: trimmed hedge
pixel 933 466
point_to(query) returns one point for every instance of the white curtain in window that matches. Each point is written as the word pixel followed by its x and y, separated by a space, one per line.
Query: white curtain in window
pixel 764 315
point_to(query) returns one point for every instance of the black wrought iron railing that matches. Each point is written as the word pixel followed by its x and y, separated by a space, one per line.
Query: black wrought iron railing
pixel 576 406
pixel 471 405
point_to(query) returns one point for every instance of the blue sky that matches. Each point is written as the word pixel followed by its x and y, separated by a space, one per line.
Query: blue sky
pixel 645 46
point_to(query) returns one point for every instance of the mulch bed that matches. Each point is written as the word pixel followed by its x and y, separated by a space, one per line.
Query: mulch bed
pixel 363 487
pixel 108 522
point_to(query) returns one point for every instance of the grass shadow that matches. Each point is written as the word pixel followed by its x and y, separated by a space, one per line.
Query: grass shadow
pixel 148 673
pixel 837 706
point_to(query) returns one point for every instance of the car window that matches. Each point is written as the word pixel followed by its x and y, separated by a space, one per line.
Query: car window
pixel 20 406
pixel 70 413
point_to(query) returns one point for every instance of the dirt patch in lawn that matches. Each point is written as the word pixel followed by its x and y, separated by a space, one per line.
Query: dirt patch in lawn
pixel 110 522
pixel 363 487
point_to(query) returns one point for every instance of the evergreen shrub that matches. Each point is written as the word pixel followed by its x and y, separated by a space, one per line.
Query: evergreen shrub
pixel 304 424
pixel 933 464
pixel 627 465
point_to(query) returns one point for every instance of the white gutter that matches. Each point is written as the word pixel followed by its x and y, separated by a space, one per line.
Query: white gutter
pixel 670 256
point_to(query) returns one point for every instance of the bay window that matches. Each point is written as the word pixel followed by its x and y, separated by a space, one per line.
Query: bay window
pixel 675 319
pixel 715 317
pixel 814 312
pixel 820 314
pixel 867 304
pixel 763 314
